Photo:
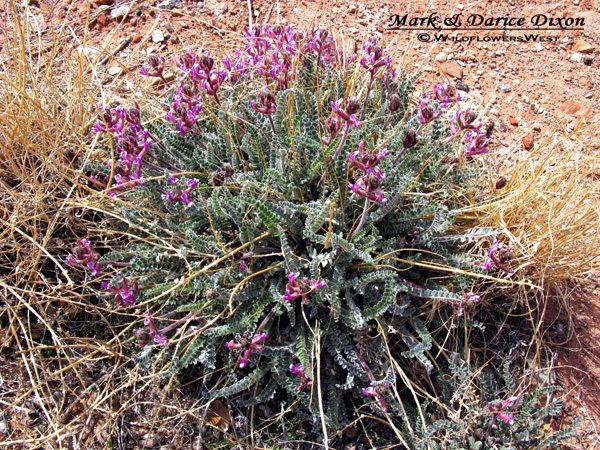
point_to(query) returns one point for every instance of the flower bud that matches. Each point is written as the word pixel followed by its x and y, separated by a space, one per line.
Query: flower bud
pixel 395 103
pixel 500 182
pixel 353 106
pixel 410 139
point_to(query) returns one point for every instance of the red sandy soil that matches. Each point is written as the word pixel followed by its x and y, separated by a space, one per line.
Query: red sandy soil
pixel 530 90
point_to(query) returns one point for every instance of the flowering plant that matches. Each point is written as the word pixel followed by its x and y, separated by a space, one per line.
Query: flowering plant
pixel 293 220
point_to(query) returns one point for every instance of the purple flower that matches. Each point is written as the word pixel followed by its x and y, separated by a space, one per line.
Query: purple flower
pixel 124 294
pixel 477 142
pixel 265 104
pixel 377 393
pixel 250 345
pixel 298 369
pixel 155 68
pixel 348 112
pixel 426 112
pixel 321 44
pixel 463 120
pixel 445 94
pixel 185 108
pixel 375 57
pixel 502 410
pixel 498 255
pixel 183 195
pixel 368 184
pixel 301 287
pixel 152 333
pixel 84 256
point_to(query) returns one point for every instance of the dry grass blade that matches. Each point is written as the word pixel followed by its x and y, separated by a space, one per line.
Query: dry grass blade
pixel 550 211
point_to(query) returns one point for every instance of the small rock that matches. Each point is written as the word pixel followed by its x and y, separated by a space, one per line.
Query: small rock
pixel 527 141
pixel 102 20
pixel 440 57
pixel 352 9
pixel 120 11
pixel 452 69
pixel 571 107
pixel 589 95
pixel 536 127
pixel 170 4
pixel 513 121
pixel 169 27
pixel 114 71
pixel 137 37
pixel 462 86
pixel 576 57
pixel 427 68
pixel 218 8
pixel 588 60
pixel 538 47
pixel 570 128
pixel 157 36
pixel 504 87
pixel 582 46
pixel 133 21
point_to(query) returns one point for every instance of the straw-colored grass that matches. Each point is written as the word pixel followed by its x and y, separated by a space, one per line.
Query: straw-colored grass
pixel 549 211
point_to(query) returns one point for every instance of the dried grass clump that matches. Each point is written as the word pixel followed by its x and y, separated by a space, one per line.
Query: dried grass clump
pixel 550 212
pixel 47 97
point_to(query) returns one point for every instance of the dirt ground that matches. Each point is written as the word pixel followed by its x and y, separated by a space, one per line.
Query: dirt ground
pixel 531 90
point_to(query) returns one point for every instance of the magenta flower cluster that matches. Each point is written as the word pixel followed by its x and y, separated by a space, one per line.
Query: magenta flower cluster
pixel 84 256
pixel 181 195
pixel 265 103
pixel 368 184
pixel 305 381
pixel 151 334
pixel 320 43
pixel 377 392
pixel 375 57
pixel 301 287
pixel 502 410
pixel 498 255
pixel 124 294
pixel 132 143
pixel 469 299
pixel 249 347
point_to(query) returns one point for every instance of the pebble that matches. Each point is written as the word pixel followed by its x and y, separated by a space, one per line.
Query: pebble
pixel 170 4
pixel 536 127
pixel 527 141
pixel 157 36
pixel 503 87
pixel 462 86
pixel 589 95
pixel 352 9
pixel 114 71
pixel 537 108
pixel 582 46
pixel 119 12
pixel 538 47
pixel 218 8
pixel 441 57
pixel 576 57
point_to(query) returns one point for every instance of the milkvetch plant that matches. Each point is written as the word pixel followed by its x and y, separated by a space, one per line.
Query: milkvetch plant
pixel 295 218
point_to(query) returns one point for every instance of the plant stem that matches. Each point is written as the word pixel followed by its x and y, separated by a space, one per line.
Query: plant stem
pixel 363 217
pixel 362 110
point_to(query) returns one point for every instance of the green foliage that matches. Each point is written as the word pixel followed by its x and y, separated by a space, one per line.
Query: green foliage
pixel 284 206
